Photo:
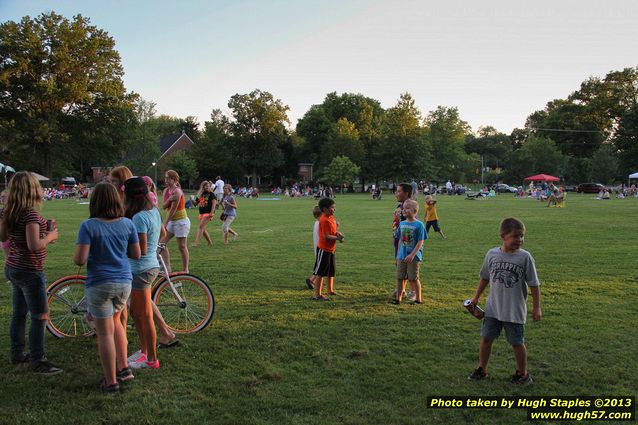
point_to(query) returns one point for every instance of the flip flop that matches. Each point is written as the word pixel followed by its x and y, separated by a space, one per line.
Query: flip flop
pixel 171 344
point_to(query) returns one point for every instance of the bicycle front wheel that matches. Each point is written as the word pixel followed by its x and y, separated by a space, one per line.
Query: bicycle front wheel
pixel 67 307
pixel 195 313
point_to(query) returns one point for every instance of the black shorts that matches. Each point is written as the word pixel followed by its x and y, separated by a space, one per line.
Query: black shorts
pixel 433 223
pixel 324 264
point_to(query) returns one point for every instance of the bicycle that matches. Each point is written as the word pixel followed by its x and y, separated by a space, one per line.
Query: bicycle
pixel 185 301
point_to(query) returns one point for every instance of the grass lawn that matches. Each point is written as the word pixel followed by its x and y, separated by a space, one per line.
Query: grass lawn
pixel 273 356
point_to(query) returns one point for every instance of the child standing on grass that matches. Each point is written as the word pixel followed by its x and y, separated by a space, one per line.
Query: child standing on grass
pixel 509 270
pixel 26 232
pixel 327 245
pixel 104 242
pixel 410 252
pixel 431 218
pixel 148 224
pixel 316 212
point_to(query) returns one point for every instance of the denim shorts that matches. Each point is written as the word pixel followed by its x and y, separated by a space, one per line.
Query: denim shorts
pixel 145 279
pixel 515 332
pixel 105 299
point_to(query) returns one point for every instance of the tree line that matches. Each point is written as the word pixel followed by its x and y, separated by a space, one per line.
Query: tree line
pixel 64 109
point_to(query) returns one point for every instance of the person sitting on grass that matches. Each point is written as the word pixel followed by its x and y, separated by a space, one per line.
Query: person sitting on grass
pixel 509 271
pixel 328 237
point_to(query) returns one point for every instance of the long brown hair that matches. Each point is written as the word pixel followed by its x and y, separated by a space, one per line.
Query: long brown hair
pixel 25 193
pixel 136 197
pixel 122 173
pixel 105 202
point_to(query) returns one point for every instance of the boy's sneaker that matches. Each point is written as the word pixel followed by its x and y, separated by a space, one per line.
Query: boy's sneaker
pixel 520 379
pixel 19 358
pixel 109 389
pixel 478 374
pixel 152 364
pixel 139 363
pixel 124 375
pixel 45 367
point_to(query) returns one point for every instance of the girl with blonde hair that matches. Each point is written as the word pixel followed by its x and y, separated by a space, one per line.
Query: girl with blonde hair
pixel 28 238
pixel 177 223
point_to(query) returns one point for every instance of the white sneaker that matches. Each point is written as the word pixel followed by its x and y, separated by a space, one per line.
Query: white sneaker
pixel 140 363
pixel 411 296
pixel 135 356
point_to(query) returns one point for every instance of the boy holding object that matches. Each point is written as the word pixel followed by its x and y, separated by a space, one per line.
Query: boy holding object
pixel 509 270
pixel 410 252
pixel 327 245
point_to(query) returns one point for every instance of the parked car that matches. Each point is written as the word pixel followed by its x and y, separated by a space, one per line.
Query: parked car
pixel 589 188
pixel 504 188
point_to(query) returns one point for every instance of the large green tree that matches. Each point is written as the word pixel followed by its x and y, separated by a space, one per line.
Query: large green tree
pixel 334 123
pixel 340 171
pixel 62 98
pixel 446 132
pixel 537 155
pixel 404 152
pixel 626 140
pixel 259 128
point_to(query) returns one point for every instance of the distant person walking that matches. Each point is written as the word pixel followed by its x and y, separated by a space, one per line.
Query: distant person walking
pixel 207 204
pixel 219 189
pixel 229 214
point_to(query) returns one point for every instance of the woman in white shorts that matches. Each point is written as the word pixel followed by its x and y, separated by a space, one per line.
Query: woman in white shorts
pixel 177 223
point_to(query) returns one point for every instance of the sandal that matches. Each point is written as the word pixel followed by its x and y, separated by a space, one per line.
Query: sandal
pixel 170 344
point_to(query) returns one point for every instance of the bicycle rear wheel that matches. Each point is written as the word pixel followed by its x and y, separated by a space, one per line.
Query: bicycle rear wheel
pixel 67 307
pixel 197 310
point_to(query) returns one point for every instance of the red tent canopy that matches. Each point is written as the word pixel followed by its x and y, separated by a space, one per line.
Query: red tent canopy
pixel 542 178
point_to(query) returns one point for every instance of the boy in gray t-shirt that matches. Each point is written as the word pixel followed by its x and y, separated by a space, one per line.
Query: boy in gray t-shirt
pixel 509 270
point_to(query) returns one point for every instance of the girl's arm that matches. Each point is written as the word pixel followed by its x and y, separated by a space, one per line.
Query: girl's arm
pixel 143 243
pixel 34 242
pixel 81 254
pixel 171 211
pixel 134 251
pixel 232 204
pixel 166 199
pixel 3 232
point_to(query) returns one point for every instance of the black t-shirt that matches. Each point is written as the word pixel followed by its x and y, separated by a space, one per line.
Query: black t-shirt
pixel 205 202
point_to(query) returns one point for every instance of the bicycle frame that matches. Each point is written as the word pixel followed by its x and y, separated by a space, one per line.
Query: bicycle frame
pixel 164 270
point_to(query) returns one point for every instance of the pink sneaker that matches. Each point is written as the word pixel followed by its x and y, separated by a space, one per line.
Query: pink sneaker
pixel 138 363
pixel 152 364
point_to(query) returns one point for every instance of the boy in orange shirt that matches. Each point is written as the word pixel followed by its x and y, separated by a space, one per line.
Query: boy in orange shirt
pixel 327 245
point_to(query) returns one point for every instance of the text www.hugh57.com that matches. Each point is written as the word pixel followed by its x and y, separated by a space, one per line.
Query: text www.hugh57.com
pixel 566 415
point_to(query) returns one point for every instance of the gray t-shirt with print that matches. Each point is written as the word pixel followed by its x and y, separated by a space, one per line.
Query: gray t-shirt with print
pixel 509 274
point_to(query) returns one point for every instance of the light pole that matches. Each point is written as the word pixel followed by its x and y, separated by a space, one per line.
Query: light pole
pixel 155 166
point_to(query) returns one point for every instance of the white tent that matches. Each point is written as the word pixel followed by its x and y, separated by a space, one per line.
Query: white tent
pixel 633 176
pixel 40 177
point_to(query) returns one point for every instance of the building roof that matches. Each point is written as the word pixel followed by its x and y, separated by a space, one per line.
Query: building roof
pixel 167 142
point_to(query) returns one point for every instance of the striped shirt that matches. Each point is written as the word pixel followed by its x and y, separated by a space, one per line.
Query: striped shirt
pixel 19 255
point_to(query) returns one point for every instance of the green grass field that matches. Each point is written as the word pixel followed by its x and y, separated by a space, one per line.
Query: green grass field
pixel 273 356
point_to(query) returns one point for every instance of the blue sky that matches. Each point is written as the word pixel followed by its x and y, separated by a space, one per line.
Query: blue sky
pixel 496 60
